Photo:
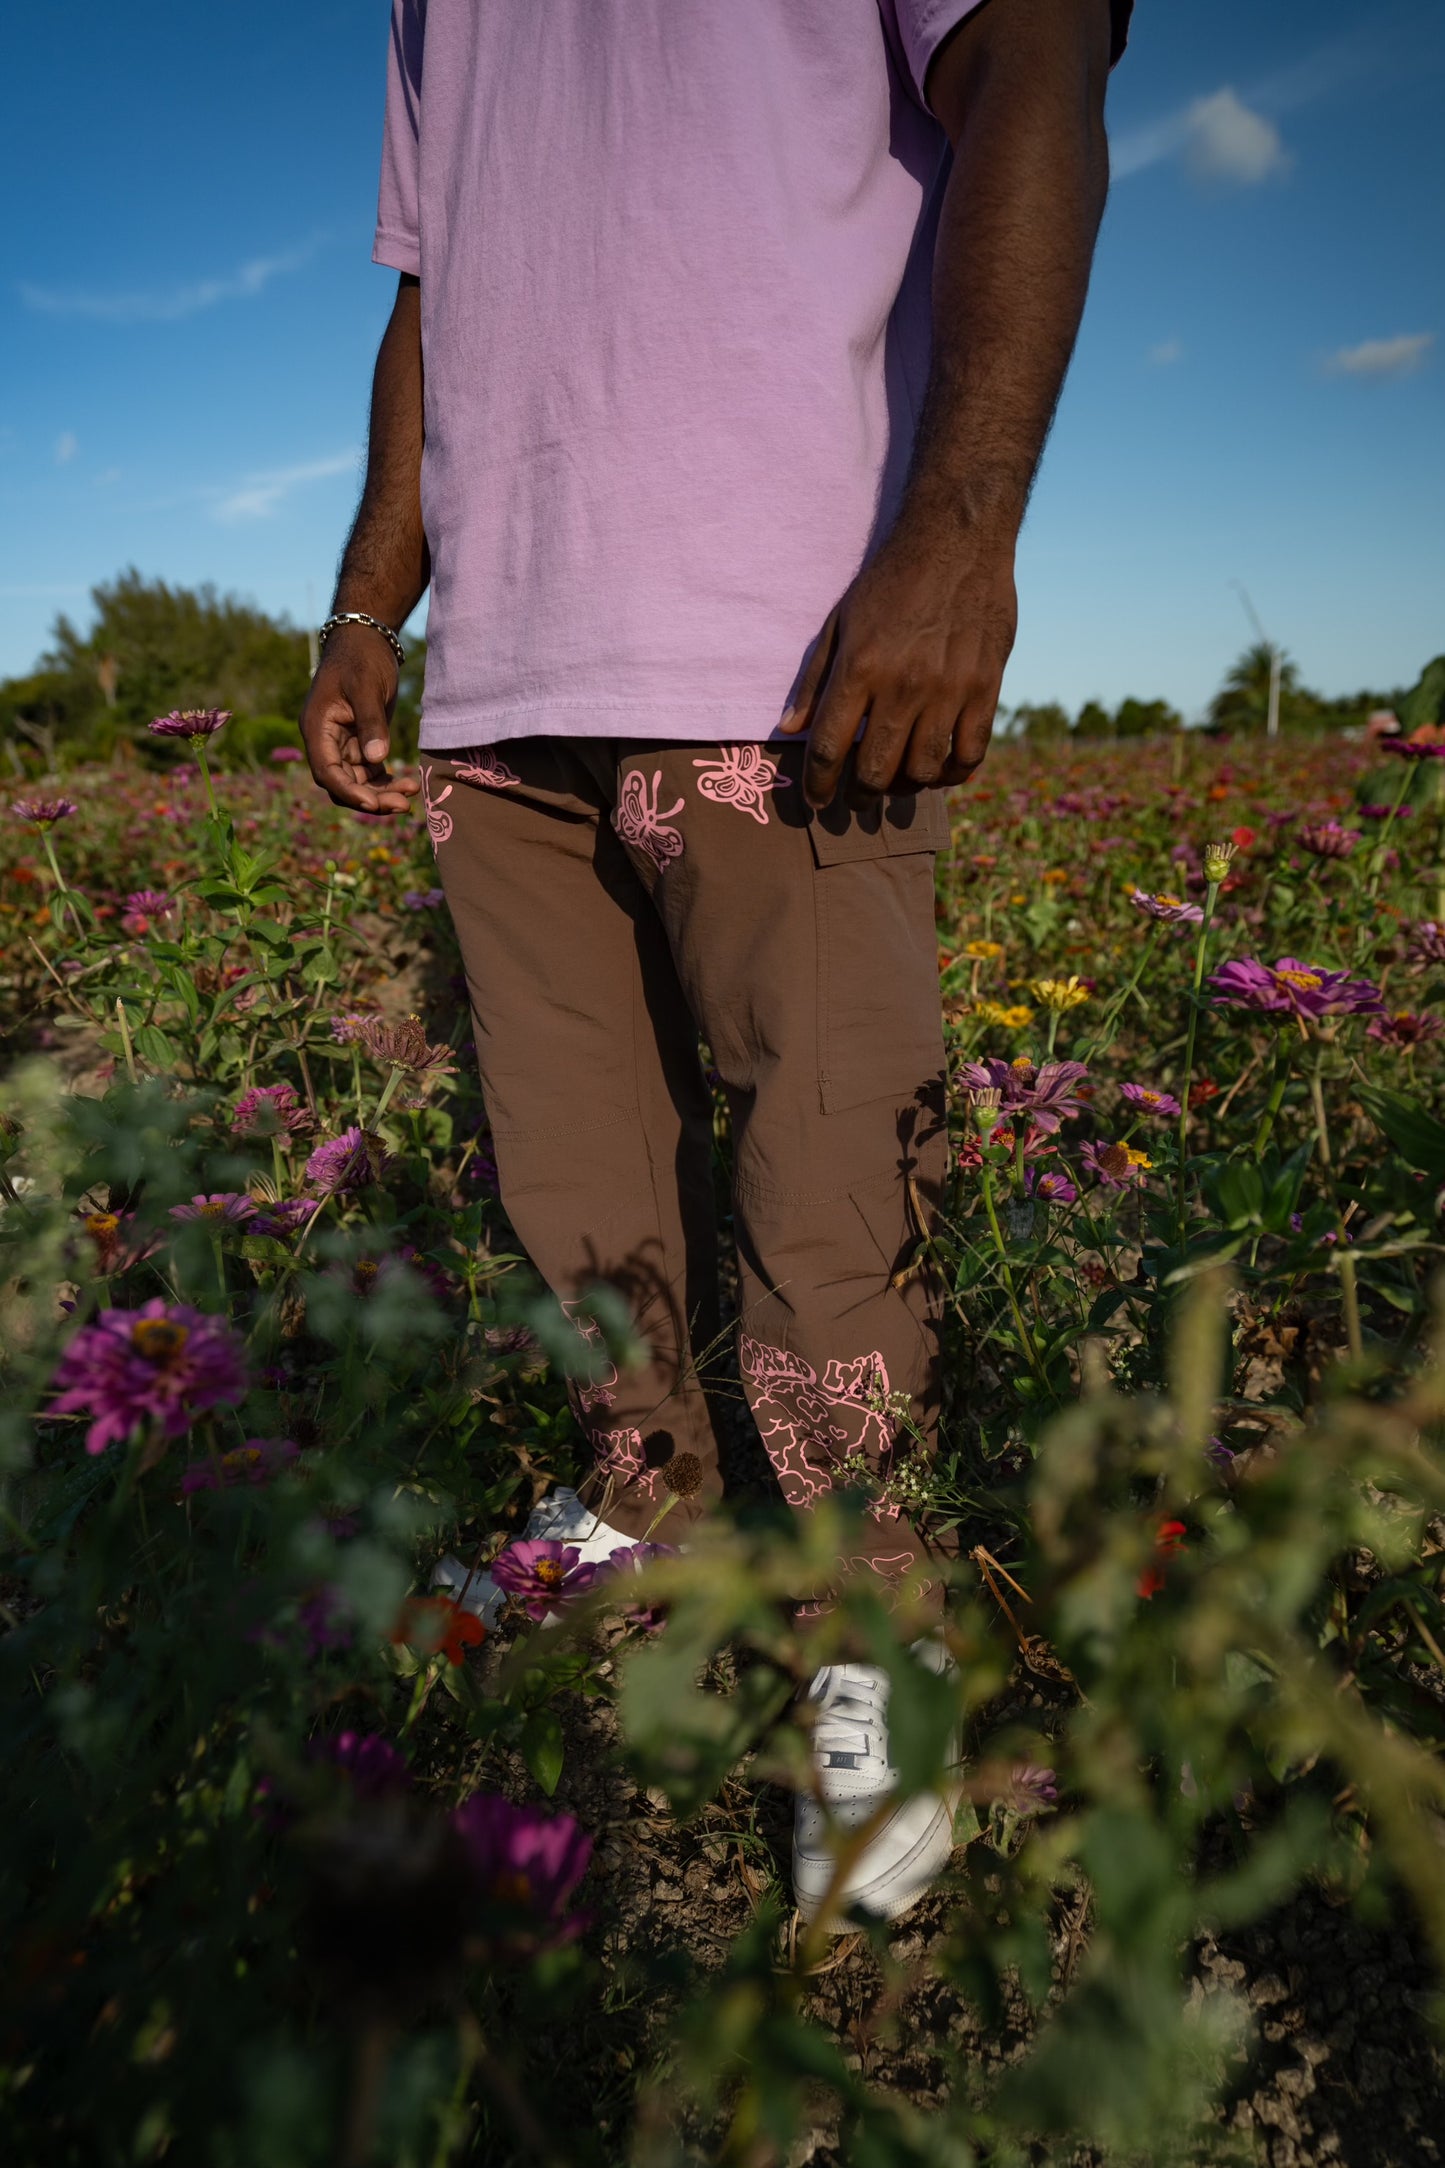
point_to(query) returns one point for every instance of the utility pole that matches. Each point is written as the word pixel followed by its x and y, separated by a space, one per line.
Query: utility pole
pixel 1271 721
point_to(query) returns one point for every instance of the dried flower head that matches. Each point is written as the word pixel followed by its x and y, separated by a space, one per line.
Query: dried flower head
pixel 682 1474
pixel 405 1046
pixel 1218 858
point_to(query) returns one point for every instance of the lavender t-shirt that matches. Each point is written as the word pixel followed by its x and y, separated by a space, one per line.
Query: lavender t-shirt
pixel 674 261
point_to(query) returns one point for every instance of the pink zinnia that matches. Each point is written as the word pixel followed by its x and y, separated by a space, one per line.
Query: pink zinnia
pixel 525 1863
pixel 1161 1104
pixel 1427 942
pixel 283 753
pixel 349 1161
pixel 1051 1188
pixel 255 1463
pixel 189 723
pixel 1327 839
pixel 1293 988
pixel 284 1219
pixel 270 1110
pixel 346 1030
pixel 44 812
pixel 222 1204
pixel 163 1364
pixel 1048 1094
pixel 1403 1028
pixel 1172 910
pixel 542 1574
pixel 150 902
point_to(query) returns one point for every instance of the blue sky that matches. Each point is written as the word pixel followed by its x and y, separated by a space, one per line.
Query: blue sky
pixel 188 316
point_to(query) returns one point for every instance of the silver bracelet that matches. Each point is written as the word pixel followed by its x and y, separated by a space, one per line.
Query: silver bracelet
pixel 359 617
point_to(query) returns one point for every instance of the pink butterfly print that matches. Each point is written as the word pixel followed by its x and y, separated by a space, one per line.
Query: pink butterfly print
pixel 741 776
pixel 639 821
pixel 807 1423
pixel 488 769
pixel 438 824
pixel 619 1455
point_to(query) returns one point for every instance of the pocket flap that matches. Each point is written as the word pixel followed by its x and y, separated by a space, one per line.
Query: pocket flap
pixel 906 820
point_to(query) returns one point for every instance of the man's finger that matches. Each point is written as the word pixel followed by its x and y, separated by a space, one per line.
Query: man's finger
pixel 796 715
pixel 885 741
pixel 841 708
pixel 971 736
pixel 930 746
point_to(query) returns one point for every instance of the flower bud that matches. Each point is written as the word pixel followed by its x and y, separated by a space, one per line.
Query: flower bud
pixel 1217 860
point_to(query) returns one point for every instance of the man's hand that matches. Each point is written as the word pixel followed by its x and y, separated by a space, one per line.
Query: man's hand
pixel 918 644
pixel 346 723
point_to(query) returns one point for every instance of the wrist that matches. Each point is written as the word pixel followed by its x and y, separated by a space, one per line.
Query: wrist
pixel 351 621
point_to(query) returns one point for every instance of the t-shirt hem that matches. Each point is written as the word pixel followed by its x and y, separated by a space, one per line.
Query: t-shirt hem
pixel 706 723
pixel 397 252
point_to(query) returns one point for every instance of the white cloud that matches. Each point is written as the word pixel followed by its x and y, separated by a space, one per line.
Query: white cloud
pixel 67 444
pixel 1383 357
pixel 260 494
pixel 168 305
pixel 1167 351
pixel 1225 140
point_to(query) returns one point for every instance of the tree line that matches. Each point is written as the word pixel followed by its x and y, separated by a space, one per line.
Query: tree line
pixel 152 647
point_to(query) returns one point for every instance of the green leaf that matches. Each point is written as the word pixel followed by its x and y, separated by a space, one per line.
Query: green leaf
pixel 1416 1135
pixel 154 1047
pixel 542 1749
pixel 922 1715
pixel 1240 1190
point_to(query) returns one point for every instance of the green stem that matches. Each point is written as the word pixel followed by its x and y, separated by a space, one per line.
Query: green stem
pixel 1378 869
pixel 386 1091
pixel 205 767
pixel 1344 1262
pixel 1025 1338
pixel 1116 1006
pixel 1201 947
pixel 1278 1084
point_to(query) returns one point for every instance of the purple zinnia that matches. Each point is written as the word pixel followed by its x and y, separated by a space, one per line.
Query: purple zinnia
pixel 1417 746
pixel 1171 909
pixel 423 899
pixel 371 1762
pixel 255 1462
pixel 326 1618
pixel 1403 1028
pixel 1031 1788
pixel 1293 988
pixel 282 753
pixel 1161 1104
pixel 163 1364
pixel 349 1161
pixel 525 1862
pixel 1047 1094
pixel 631 1558
pixel 269 1110
pixel 542 1574
pixel 346 1029
pixel 1051 1188
pixel 1384 812
pixel 189 723
pixel 222 1204
pixel 1427 942
pixel 1115 1166
pixel 1327 839
pixel 150 903
pixel 279 1220
pixel 44 812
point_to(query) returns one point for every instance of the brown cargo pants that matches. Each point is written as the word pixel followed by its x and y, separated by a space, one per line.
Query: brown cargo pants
pixel 615 899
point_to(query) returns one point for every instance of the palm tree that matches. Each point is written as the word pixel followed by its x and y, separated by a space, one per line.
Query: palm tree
pixel 1242 702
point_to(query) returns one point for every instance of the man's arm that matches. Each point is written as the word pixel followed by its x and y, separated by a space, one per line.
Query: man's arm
pixel 920 639
pixel 346 721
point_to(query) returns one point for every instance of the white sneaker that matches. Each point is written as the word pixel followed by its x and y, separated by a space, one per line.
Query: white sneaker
pixel 560 1517
pixel 854 1778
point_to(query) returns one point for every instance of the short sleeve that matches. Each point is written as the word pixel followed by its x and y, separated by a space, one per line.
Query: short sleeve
pixel 919 27
pixel 398 227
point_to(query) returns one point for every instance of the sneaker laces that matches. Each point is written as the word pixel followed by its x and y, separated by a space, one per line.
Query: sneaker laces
pixel 852 1724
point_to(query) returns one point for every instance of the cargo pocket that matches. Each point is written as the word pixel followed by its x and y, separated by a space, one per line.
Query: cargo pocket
pixel 880 1030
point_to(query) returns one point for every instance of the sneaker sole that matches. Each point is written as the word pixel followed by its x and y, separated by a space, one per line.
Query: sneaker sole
pixel 905 1882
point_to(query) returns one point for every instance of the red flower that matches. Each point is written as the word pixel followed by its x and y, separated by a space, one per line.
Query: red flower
pixel 1167 1541
pixel 1243 837
pixel 435 1626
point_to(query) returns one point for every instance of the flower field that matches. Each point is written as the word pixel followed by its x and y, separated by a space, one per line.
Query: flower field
pixel 303 1865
